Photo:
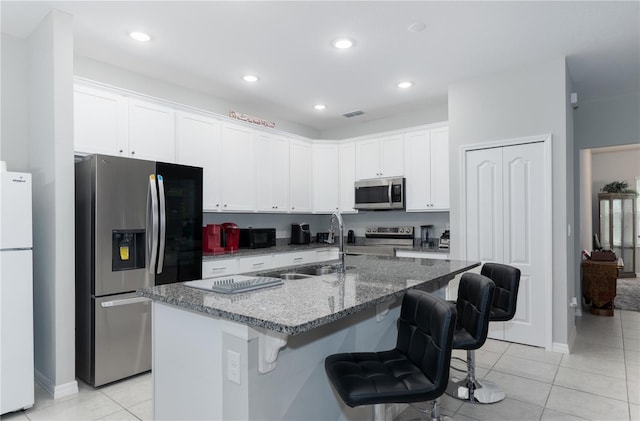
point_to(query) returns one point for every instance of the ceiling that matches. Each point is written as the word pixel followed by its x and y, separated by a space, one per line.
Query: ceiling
pixel 209 45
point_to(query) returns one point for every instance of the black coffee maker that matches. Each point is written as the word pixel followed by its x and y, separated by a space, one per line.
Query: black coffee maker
pixel 300 234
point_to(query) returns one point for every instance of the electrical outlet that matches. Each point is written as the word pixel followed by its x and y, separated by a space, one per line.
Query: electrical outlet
pixel 233 366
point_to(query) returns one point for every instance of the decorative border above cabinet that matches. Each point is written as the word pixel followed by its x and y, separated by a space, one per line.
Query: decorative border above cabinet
pixel 249 169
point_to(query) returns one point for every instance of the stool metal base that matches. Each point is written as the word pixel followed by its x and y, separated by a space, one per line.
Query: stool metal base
pixel 476 391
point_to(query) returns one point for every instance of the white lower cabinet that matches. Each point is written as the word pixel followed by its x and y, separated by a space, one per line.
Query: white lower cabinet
pixel 251 264
pixel 219 267
pixel 295 258
pixel 327 254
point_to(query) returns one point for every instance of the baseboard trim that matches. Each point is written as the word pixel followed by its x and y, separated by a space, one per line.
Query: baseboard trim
pixel 559 347
pixel 57 391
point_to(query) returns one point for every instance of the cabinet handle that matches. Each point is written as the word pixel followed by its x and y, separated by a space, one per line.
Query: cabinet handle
pixel 225 205
pixel 215 269
pixel 121 151
pixel 292 207
pixel 133 152
pixel 217 205
pixel 295 259
pixel 258 264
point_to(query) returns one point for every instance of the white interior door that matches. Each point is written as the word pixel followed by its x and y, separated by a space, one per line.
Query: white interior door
pixel 505 204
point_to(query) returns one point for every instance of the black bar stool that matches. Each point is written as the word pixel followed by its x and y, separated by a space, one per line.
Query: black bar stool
pixel 416 370
pixel 505 297
pixel 473 305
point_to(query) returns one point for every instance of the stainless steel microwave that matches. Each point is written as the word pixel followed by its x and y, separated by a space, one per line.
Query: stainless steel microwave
pixel 380 193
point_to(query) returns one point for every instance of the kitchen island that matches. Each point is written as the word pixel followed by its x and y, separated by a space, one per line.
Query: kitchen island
pixel 260 354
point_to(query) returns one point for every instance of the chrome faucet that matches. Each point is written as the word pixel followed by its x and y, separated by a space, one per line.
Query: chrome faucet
pixel 334 216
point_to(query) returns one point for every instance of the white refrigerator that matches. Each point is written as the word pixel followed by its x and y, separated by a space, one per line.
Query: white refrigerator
pixel 16 293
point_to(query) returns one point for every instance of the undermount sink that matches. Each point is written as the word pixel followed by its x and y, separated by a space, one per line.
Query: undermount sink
pixel 305 271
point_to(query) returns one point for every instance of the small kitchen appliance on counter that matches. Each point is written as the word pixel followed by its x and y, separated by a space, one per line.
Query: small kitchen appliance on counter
pixel 322 237
pixel 231 237
pixel 383 241
pixel 300 234
pixel 351 237
pixel 427 240
pixel 212 239
pixel 255 238
pixel 444 241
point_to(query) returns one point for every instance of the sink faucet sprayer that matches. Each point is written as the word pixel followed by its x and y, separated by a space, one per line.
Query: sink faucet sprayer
pixel 336 215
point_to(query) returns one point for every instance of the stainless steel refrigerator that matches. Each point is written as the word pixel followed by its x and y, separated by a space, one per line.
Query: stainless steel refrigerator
pixel 138 224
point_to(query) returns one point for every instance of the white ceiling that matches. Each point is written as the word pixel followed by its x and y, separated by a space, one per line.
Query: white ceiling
pixel 209 45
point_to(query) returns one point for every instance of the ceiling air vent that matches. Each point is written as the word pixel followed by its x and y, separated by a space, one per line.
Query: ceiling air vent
pixel 353 113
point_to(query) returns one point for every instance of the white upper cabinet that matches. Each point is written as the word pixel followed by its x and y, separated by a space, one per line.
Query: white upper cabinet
pixel 238 166
pixel 326 178
pixel 100 122
pixel 151 131
pixel 379 157
pixel 300 176
pixel 273 173
pixel 198 144
pixel 427 169
pixel 347 177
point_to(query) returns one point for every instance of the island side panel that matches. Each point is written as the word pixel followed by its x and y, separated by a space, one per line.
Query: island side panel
pixel 298 388
pixel 187 365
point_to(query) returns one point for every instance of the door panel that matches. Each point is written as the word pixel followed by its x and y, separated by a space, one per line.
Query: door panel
pixel 525 239
pixel 504 199
pixel 122 337
pixel 120 205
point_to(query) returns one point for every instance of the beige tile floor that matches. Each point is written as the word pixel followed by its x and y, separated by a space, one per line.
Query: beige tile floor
pixel 599 380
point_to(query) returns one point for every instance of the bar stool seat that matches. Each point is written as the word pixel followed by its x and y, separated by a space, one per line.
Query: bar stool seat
pixel 473 305
pixel 416 370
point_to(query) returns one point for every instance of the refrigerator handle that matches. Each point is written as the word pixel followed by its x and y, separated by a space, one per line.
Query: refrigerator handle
pixel 163 224
pixel 124 302
pixel 152 224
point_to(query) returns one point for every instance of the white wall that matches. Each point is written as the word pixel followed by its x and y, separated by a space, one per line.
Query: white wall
pixel 608 121
pixel 125 79
pixel 49 53
pixel 14 131
pixel 417 115
pixel 519 103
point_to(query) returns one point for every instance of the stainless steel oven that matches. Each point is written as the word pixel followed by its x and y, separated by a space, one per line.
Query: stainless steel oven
pixel 383 241
pixel 380 193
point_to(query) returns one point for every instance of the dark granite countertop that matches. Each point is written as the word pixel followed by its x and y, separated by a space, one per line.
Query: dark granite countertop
pixel 300 305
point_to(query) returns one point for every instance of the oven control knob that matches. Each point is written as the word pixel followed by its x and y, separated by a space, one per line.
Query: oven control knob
pixel 368 229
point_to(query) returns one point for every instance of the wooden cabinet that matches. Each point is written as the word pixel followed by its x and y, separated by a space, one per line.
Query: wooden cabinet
pixel 300 199
pixel 347 169
pixel 379 157
pixel 238 166
pixel 326 178
pixel 599 286
pixel 100 122
pixel 198 144
pixel 427 170
pixel 273 173
pixel 618 230
pixel 151 131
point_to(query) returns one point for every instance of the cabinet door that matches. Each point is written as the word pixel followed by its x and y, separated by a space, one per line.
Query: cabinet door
pixel 151 132
pixel 391 156
pixel 238 145
pixel 347 177
pixel 100 122
pixel 300 173
pixel 273 173
pixel 326 192
pixel 367 159
pixel 439 159
pixel 198 144
pixel 418 170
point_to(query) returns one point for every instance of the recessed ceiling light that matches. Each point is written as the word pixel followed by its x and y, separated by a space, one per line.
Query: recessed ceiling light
pixel 417 27
pixel 250 78
pixel 343 43
pixel 405 85
pixel 320 107
pixel 140 36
